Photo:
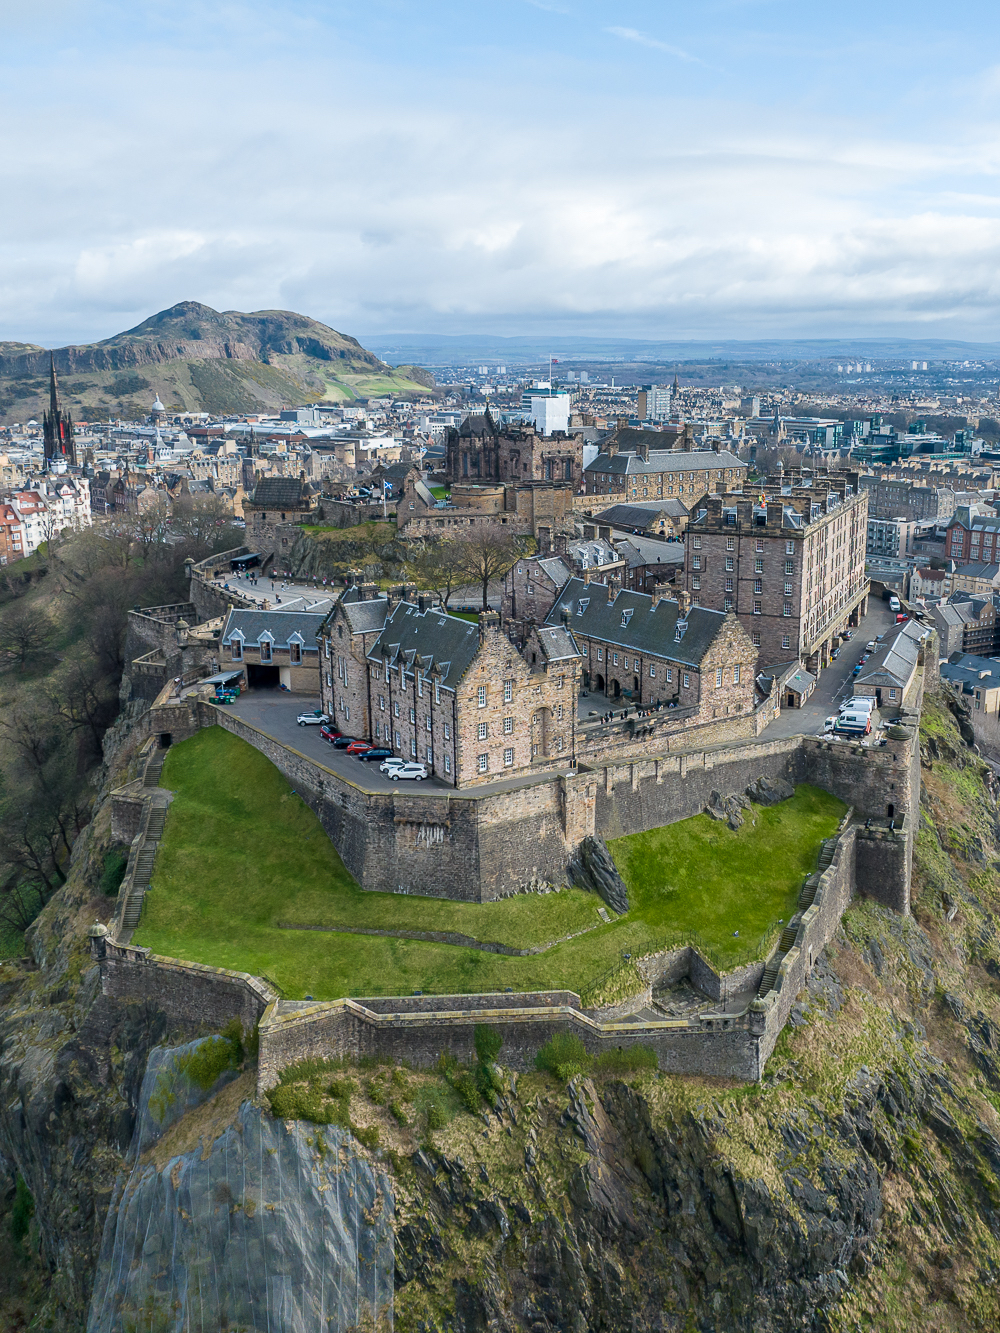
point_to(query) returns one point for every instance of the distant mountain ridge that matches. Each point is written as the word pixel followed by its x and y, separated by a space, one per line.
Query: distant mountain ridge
pixel 200 359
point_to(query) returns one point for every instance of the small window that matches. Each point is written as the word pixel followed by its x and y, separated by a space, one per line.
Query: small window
pixel 616 659
pixel 718 677
pixel 508 726
pixel 670 675
pixel 730 563
pixel 730 545
pixel 483 730
pixel 696 542
pixel 295 653
pixel 482 696
pixel 755 638
pixel 381 701
pixel 398 740
pixel 892 694
pixel 736 674
pixel 600 654
pixel 265 651
pixel 483 763
pixel 437 691
pixel 413 716
pixel 786 640
pixel 430 755
pixel 508 756
pixel 447 763
pixel 395 709
pixel 413 747
pixel 447 731
pixel 652 673
pixel 687 680
pixel 427 723
pixel 559 713
pixel 508 691
pixel 787 609
pixel 759 546
pixel 326 644
pixel 236 650
pixel 789 548
pixel 756 608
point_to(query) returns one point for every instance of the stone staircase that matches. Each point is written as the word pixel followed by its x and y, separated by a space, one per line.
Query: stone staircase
pixel 154 767
pixel 140 870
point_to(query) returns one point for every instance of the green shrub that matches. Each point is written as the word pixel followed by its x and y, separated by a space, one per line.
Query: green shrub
pixel 464 1083
pixel 213 1057
pixel 22 1211
pixel 488 1082
pixel 398 1111
pixel 343 1088
pixel 626 1061
pixel 564 1055
pixel 115 865
pixel 376 1093
pixel 303 1070
pixel 488 1043
pixel 367 1135
pixel 437 1116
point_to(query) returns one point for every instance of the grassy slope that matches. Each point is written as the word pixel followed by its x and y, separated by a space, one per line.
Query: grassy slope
pixel 243 852
pixel 700 876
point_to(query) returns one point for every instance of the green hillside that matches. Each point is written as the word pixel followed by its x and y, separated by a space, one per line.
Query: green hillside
pixel 202 360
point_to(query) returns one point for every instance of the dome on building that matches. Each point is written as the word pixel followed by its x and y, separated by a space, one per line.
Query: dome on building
pixel 158 406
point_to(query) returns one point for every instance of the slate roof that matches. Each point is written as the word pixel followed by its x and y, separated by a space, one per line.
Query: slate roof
pixel 972 672
pixel 281 625
pixel 665 460
pixel 648 551
pixel 641 515
pixel 557 643
pixel 978 571
pixel 426 639
pixel 648 629
pixel 895 662
pixel 278 493
pixel 365 617
pixel 478 424
pixel 553 566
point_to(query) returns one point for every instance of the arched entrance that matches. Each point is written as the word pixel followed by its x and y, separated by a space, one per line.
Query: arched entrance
pixel 616 689
pixel 635 689
pixel 599 682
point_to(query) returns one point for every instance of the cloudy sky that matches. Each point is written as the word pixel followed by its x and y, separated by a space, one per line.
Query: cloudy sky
pixel 727 168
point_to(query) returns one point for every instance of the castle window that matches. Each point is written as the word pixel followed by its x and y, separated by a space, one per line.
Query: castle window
pixel 483 730
pixel 420 684
pixel 508 691
pixel 786 640
pixel 758 586
pixel 413 747
pixel 600 654
pixel 295 653
pixel 447 763
pixel 559 713
pixel 447 731
pixel 652 673
pixel 482 696
pixel 413 716
pixel 760 544
pixel 718 678
pixel 326 646
pixel 755 639
pixel 756 608
pixel 736 674
pixel 395 709
pixel 789 548
pixel 236 650
pixel 728 605
pixel 397 740
pixel 508 756
pixel 616 659
pixel 670 675
pixel 428 723
pixel 265 650
pixel 508 726
pixel 687 680
pixel 787 609
pixel 437 691
pixel 483 763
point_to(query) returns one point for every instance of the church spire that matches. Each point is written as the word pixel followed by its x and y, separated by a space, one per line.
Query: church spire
pixel 57 427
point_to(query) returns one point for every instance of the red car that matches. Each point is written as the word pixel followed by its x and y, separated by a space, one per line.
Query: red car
pixel 358 747
pixel 329 732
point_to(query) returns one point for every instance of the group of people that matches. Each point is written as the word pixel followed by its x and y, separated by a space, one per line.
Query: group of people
pixel 639 712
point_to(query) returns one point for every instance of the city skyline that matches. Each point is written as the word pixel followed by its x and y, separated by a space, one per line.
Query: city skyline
pixel 729 171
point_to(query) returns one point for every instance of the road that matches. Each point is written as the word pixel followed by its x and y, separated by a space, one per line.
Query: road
pixel 836 683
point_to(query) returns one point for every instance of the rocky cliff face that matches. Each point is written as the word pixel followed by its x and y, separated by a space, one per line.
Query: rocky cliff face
pixel 857 1187
pixel 190 330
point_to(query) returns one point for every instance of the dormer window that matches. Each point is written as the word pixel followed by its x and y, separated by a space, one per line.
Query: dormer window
pixel 236 649
pixel 582 605
pixel 626 617
pixel 680 630
pixel 265 650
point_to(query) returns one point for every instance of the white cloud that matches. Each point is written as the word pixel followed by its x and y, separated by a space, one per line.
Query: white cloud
pixel 642 39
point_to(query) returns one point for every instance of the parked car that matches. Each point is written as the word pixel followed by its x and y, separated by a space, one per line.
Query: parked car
pixel 857 670
pixel 835 654
pixel 393 761
pixel 312 719
pixel 901 617
pixel 870 646
pixel 358 747
pixel 342 742
pixel 329 732
pixel 893 603
pixel 374 752
pixel 860 703
pixel 408 770
pixel 848 634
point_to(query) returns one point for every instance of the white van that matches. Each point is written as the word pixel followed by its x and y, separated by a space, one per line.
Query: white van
pixel 894 603
pixel 861 703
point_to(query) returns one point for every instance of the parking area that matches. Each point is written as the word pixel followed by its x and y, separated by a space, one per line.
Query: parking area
pixel 281 594
pixel 836 683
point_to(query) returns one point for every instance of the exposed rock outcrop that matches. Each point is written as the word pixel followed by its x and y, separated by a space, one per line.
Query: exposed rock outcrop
pixel 770 791
pixel 593 868
pixel 728 808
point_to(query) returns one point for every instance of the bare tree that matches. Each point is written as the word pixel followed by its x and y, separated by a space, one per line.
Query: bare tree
pixel 200 518
pixel 150 527
pixel 25 630
pixel 489 552
pixel 441 566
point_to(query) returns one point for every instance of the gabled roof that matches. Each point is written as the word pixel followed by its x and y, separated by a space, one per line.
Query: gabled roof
pixel 557 643
pixel 642 515
pixel 895 661
pixel 478 424
pixel 551 565
pixel 367 617
pixel 648 551
pixel 665 460
pixel 278 493
pixel 648 629
pixel 280 625
pixel 427 639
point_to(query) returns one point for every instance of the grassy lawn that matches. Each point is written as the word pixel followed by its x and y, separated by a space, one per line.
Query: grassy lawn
pixel 242 852
pixel 700 876
pixel 440 492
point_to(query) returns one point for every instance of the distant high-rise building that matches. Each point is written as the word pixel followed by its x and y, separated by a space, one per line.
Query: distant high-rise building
pixel 653 403
pixel 57 426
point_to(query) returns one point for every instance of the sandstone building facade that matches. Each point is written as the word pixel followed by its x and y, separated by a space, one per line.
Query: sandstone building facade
pixel 461 699
pixel 481 451
pixel 650 650
pixel 350 629
pixel 274 647
pixel 792 568
pixel 648 473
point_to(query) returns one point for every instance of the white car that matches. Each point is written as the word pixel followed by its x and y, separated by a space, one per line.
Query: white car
pixel 312 719
pixel 860 703
pixel 387 764
pixel 415 771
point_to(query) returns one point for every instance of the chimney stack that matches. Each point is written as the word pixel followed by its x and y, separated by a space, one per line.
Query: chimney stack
pixel 614 588
pixel 642 449
pixel 660 591
pixel 683 604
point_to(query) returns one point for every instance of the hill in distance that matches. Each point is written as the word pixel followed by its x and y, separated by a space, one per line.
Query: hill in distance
pixel 202 360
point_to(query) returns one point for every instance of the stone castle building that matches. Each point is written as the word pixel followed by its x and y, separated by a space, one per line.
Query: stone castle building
pixel 461 699
pixel 648 473
pixel 348 633
pixel 274 647
pixel 650 650
pixel 479 450
pixel 789 562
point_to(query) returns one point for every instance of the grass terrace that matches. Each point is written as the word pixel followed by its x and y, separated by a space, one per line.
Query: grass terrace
pixel 244 858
